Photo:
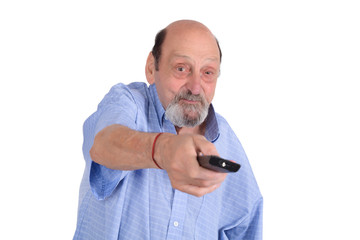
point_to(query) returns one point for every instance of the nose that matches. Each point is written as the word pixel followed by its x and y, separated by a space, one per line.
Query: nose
pixel 194 83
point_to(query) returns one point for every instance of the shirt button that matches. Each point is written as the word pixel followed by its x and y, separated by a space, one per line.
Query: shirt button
pixel 176 223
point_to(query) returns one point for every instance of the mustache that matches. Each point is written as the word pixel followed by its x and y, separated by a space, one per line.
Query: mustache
pixel 187 95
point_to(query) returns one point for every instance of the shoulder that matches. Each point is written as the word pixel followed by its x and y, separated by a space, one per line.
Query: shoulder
pixel 221 120
pixel 225 128
pixel 137 89
pixel 134 92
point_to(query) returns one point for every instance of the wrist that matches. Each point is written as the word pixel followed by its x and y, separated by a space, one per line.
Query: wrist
pixel 159 145
pixel 153 150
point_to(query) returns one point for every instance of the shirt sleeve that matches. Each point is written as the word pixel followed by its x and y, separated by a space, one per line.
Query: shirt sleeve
pixel 251 227
pixel 117 107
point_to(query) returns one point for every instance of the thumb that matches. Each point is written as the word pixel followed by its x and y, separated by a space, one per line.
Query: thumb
pixel 204 147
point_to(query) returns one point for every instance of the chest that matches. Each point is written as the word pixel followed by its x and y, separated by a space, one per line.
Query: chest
pixel 155 210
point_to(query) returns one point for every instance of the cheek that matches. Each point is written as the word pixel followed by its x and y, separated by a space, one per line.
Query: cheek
pixel 167 88
pixel 209 90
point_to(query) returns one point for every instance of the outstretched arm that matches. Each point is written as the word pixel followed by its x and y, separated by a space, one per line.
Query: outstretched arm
pixel 118 147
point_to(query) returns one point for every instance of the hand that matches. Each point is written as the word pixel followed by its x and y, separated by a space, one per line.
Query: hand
pixel 177 155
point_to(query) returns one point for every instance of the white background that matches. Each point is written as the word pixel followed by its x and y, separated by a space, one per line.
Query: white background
pixel 289 88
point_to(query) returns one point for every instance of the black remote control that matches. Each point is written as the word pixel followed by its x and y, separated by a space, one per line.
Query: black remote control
pixel 218 164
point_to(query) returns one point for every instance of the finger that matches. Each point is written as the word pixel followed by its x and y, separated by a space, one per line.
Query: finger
pixel 206 183
pixel 198 191
pixel 210 175
pixel 206 178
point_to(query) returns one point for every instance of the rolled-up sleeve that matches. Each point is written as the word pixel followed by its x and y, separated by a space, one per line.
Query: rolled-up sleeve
pixel 117 107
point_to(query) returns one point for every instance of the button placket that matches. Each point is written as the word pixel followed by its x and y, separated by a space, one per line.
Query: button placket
pixel 178 213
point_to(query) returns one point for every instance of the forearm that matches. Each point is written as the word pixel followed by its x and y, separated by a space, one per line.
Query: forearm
pixel 118 147
pixel 121 148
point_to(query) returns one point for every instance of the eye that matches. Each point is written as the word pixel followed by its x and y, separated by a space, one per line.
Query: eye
pixel 181 69
pixel 210 74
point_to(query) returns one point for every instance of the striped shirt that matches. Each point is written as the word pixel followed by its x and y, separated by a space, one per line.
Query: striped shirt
pixel 142 204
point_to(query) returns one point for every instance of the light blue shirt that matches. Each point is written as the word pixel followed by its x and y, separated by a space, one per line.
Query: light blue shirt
pixel 141 204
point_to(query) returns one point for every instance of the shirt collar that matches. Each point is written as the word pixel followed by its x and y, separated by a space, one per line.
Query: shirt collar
pixel 212 132
pixel 160 111
pixel 212 128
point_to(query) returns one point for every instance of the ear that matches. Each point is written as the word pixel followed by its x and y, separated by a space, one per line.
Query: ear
pixel 150 69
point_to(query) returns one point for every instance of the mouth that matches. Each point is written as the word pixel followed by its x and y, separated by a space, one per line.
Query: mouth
pixel 187 101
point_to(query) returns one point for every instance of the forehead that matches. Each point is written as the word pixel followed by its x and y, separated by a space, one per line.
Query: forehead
pixel 190 42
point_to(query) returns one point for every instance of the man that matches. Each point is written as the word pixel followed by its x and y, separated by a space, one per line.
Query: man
pixel 142 179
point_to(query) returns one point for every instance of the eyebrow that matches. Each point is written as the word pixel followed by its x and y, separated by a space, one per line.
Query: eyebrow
pixel 181 56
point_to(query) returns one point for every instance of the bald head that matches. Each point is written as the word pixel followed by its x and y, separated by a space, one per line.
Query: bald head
pixel 182 25
pixel 183 28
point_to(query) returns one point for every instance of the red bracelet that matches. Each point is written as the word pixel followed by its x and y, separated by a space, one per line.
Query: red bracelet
pixel 153 150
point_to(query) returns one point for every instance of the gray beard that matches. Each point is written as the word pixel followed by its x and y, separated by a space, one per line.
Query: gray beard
pixel 187 115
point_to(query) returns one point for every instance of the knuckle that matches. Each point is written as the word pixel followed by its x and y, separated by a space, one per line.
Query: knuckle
pixel 197 194
pixel 204 183
pixel 201 192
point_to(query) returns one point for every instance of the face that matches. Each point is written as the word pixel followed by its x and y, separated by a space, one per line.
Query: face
pixel 188 70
